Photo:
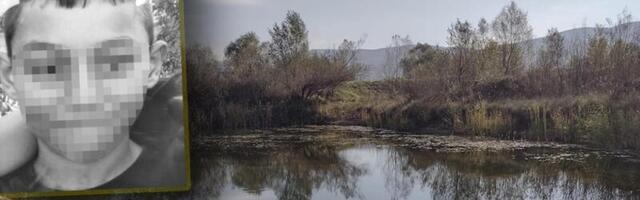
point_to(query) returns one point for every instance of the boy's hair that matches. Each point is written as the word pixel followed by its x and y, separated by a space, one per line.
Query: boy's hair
pixel 10 17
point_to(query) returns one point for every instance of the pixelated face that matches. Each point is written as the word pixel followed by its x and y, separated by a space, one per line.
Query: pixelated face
pixel 80 77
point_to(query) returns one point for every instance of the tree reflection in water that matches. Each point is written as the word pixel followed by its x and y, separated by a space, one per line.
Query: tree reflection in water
pixel 485 175
pixel 362 170
pixel 300 172
pixel 295 172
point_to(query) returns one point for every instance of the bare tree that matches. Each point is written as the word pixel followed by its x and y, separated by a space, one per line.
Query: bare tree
pixel 550 60
pixel 621 29
pixel 597 60
pixel 345 57
pixel 394 54
pixel 483 32
pixel 462 40
pixel 318 75
pixel 487 53
pixel 622 53
pixel 577 65
pixel 553 51
pixel 510 28
pixel 427 69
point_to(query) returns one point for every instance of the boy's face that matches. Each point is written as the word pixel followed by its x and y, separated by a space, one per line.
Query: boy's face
pixel 80 75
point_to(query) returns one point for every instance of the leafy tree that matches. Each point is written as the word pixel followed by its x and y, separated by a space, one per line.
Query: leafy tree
pixel 6 103
pixel 288 40
pixel 167 19
pixel 247 71
pixel 245 55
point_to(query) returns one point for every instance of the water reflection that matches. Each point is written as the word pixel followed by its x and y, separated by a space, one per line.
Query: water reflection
pixel 294 173
pixel 288 173
pixel 335 169
pixel 482 175
pixel 314 171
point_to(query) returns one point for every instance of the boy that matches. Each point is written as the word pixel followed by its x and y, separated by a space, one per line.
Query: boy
pixel 81 71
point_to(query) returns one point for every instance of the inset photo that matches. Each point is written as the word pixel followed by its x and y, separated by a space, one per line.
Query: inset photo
pixel 91 98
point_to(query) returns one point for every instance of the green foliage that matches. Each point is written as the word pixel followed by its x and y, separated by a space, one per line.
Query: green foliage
pixel 167 17
pixel 245 54
pixel 6 104
pixel 288 40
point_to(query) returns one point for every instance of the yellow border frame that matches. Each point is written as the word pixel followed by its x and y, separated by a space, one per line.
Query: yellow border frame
pixel 187 156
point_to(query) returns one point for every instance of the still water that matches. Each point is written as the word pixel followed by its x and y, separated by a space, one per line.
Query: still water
pixel 365 168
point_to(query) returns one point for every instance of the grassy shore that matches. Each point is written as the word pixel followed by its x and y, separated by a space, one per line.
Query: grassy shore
pixel 595 120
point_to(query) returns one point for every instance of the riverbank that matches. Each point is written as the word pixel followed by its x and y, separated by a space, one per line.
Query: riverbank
pixel 593 120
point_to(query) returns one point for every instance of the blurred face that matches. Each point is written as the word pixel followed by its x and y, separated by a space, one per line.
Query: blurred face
pixel 80 76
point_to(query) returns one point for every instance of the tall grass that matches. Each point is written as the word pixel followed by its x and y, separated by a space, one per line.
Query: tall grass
pixel 588 119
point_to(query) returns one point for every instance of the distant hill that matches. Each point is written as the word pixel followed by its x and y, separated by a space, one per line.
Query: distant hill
pixel 375 59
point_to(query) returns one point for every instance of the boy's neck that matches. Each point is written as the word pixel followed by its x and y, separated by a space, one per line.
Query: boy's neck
pixel 58 173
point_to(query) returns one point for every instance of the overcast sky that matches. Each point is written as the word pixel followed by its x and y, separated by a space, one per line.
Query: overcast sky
pixel 215 23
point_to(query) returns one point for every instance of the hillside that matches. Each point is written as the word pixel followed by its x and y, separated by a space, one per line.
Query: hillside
pixel 375 59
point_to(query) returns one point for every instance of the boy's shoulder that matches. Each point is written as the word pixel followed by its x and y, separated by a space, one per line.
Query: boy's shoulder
pixel 159 130
pixel 161 116
pixel 17 146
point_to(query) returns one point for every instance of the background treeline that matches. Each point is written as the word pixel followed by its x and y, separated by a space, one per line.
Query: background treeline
pixel 486 82
pixel 266 84
pixel 488 62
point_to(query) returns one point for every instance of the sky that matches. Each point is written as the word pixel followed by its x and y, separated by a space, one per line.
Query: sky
pixel 215 23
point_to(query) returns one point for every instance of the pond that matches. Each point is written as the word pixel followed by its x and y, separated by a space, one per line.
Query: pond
pixel 330 163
